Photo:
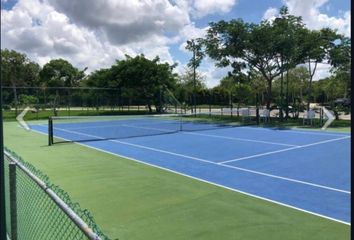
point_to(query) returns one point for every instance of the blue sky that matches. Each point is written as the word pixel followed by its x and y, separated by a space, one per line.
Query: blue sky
pixel 93 34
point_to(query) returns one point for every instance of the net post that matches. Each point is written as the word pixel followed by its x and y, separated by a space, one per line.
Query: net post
pixel 50 131
pixel 13 200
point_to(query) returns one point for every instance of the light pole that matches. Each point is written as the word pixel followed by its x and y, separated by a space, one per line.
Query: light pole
pixel 280 21
pixel 281 89
pixel 194 79
pixel 194 63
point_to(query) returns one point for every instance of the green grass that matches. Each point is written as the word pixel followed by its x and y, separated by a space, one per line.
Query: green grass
pixel 337 125
pixel 10 115
pixel 130 200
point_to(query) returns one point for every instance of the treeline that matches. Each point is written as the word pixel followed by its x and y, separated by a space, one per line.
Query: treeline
pixel 273 64
pixel 262 54
pixel 137 80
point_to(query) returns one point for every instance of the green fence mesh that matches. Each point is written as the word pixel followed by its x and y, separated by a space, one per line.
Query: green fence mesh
pixel 38 216
pixel 7 197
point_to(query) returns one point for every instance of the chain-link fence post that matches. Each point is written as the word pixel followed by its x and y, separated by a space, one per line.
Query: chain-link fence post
pixel 13 200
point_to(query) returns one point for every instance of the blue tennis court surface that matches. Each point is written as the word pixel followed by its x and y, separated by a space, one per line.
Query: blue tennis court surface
pixel 306 170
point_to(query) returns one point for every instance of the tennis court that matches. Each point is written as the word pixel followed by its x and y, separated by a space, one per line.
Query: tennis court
pixel 305 170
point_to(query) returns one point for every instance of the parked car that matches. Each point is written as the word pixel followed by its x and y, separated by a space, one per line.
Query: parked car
pixel 342 102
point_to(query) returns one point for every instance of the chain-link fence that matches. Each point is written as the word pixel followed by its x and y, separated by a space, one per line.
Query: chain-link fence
pixel 71 101
pixel 37 209
pixel 87 101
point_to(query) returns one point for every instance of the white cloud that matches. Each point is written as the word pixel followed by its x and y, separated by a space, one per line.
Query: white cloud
pixel 190 32
pixel 124 22
pixel 314 19
pixel 322 71
pixel 38 29
pixel 48 29
pixel 270 14
pixel 312 16
pixel 93 34
pixel 205 7
pixel 35 28
pixel 213 74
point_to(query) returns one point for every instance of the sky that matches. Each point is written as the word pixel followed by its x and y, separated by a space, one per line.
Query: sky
pixel 96 33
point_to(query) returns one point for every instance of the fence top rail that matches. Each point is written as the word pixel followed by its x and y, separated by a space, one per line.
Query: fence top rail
pixel 83 226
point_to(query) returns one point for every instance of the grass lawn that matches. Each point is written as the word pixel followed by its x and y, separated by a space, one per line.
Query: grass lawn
pixel 130 200
pixel 10 115
pixel 337 125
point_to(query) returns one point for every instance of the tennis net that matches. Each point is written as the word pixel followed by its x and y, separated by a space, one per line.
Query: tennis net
pixel 95 128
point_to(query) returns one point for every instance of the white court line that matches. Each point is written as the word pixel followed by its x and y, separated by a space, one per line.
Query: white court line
pixel 132 144
pixel 288 179
pixel 207 161
pixel 239 139
pixel 114 125
pixel 192 133
pixel 296 130
pixel 122 124
pixel 292 130
pixel 150 128
pixel 284 150
pixel 208 182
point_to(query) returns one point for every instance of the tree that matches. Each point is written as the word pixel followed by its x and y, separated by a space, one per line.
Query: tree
pixel 238 87
pixel 297 78
pixel 194 63
pixel 245 46
pixel 18 70
pixel 340 60
pixel 297 83
pixel 258 87
pixel 101 78
pixel 287 28
pixel 59 73
pixel 103 85
pixel 189 83
pixel 315 48
pixel 219 96
pixel 145 78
